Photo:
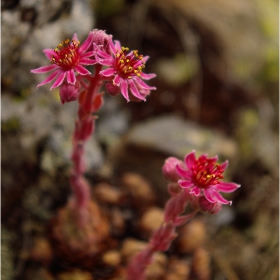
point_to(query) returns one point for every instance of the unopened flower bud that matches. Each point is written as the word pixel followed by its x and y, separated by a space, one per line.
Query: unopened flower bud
pixel 169 169
pixel 101 38
pixel 206 206
pixel 68 92
pixel 112 89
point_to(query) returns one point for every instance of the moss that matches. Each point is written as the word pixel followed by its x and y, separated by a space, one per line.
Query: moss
pixel 7 266
pixel 12 124
pixel 248 121
pixel 106 8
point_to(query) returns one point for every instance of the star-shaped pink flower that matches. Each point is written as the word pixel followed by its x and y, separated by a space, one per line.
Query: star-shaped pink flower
pixel 202 176
pixel 125 70
pixel 67 59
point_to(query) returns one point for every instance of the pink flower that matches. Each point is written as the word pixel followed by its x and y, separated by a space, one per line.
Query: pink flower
pixel 125 70
pixel 68 58
pixel 203 176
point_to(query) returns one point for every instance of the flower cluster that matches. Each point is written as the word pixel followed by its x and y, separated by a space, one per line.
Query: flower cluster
pixel 123 74
pixel 194 181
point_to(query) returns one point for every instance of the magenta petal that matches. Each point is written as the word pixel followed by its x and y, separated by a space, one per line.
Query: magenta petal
pixel 209 196
pixel 190 160
pixel 88 54
pixel 117 45
pixel 226 187
pixel 59 80
pixel 104 55
pixel 44 69
pixel 141 84
pixel 195 190
pixel 105 62
pixel 214 159
pixel 217 196
pixel 108 72
pixel 49 53
pixel 146 76
pixel 75 38
pixel 145 58
pixel 70 76
pixel 82 70
pixel 112 47
pixel 224 165
pixel 124 90
pixel 86 44
pixel 185 184
pixel 49 79
pixel 203 157
pixel 87 61
pixel 135 90
pixel 182 172
pixel 117 80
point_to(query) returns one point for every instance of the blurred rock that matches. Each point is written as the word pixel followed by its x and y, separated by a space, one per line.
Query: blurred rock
pixel 75 274
pixel 23 136
pixel 190 236
pixel 118 223
pixel 150 221
pixel 46 10
pixel 112 258
pixel 14 33
pixel 130 247
pixel 58 149
pixel 178 269
pixel 177 136
pixel 41 251
pixel 7 255
pixel 106 194
pixel 257 141
pixel 156 270
pixel 201 264
pixel 139 191
pixel 39 273
pixel 34 26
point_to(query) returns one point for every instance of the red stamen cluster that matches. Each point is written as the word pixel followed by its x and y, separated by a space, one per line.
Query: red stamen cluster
pixel 207 172
pixel 129 64
pixel 66 54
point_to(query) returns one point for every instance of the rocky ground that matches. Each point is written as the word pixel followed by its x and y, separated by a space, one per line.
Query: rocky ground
pixel 217 93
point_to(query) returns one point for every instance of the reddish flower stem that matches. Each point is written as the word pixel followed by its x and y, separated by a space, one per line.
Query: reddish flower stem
pixel 162 237
pixel 84 128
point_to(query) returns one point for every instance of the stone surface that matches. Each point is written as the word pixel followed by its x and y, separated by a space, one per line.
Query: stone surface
pixel 256 138
pixel 177 136
pixel 24 40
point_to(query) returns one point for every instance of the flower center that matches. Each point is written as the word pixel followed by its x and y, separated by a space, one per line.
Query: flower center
pixel 66 54
pixel 207 172
pixel 129 65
